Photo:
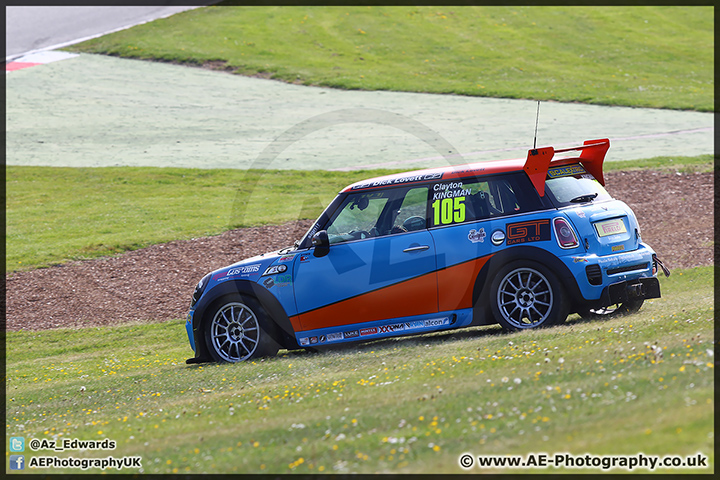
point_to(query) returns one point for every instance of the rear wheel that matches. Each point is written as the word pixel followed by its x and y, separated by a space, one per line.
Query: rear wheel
pixel 236 330
pixel 526 294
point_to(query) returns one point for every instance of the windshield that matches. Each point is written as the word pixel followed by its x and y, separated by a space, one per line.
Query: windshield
pixel 572 185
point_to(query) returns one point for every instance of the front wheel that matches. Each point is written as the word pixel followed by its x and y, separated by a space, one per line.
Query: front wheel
pixel 235 330
pixel 526 294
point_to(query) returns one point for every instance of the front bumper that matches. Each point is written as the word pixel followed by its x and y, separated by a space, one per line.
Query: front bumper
pixel 189 329
pixel 198 358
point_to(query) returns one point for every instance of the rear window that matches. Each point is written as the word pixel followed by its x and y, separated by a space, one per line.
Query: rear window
pixel 573 185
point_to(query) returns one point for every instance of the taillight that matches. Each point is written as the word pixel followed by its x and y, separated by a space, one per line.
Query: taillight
pixel 564 233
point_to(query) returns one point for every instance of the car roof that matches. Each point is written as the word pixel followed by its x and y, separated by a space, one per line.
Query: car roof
pixel 535 165
pixel 439 173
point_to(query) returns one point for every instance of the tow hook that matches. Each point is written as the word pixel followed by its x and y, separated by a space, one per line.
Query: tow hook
pixel 658 263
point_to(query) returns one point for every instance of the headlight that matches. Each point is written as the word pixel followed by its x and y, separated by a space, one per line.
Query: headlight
pixel 275 269
pixel 199 289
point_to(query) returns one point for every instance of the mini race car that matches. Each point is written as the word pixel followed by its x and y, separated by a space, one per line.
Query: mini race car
pixel 522 243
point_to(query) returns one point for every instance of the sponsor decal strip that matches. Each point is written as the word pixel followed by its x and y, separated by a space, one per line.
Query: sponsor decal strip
pixel 246 270
pixel 399 181
pixel 566 171
pixel 413 326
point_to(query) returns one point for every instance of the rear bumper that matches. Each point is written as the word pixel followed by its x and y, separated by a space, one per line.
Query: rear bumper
pixel 596 275
pixel 629 290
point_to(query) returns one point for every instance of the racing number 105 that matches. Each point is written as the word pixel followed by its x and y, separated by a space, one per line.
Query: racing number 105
pixel 449 210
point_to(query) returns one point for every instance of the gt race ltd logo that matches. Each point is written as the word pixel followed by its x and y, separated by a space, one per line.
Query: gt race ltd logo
pixel 530 231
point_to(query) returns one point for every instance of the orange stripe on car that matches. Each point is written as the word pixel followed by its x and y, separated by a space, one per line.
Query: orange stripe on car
pixel 456 283
pixel 395 301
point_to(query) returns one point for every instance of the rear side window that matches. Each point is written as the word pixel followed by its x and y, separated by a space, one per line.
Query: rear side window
pixel 572 185
pixel 469 200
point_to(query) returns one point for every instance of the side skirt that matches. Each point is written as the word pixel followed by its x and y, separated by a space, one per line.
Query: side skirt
pixel 386 328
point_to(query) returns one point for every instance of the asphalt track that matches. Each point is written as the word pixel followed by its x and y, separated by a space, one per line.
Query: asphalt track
pixel 34 28
pixel 96 111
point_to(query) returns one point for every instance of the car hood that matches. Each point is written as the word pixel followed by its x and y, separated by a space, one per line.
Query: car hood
pixel 250 268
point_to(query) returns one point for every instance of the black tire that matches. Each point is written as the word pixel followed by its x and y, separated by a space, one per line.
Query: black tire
pixel 525 294
pixel 612 311
pixel 236 329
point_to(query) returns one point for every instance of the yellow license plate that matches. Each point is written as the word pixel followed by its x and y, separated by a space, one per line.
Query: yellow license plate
pixel 610 227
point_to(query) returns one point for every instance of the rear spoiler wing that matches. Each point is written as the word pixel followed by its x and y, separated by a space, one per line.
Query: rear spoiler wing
pixel 592 156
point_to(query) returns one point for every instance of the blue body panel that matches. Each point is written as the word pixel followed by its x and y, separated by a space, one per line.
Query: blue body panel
pixel 462 249
pixel 356 268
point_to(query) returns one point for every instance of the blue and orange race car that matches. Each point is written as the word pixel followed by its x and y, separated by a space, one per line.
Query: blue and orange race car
pixel 523 243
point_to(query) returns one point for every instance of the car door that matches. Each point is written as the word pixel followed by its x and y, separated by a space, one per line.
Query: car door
pixel 468 221
pixel 380 266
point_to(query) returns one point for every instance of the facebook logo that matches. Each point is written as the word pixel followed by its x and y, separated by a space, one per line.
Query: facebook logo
pixel 17 462
pixel 17 444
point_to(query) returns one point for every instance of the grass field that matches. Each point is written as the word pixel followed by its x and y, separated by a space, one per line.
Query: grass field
pixel 637 384
pixel 642 383
pixel 645 56
pixel 58 214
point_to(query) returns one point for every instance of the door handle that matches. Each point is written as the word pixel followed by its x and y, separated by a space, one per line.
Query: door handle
pixel 419 248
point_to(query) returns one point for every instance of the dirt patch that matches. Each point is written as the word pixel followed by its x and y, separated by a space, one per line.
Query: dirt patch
pixel 150 284
pixel 154 284
pixel 675 212
pixel 218 65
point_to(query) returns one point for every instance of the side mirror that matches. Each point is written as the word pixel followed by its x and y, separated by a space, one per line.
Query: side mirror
pixel 321 243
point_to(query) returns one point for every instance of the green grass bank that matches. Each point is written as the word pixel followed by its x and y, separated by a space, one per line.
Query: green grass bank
pixel 647 56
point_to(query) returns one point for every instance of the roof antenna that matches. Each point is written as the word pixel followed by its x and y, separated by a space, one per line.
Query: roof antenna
pixel 537 117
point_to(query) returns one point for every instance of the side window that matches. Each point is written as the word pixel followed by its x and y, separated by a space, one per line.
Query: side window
pixel 357 218
pixel 474 199
pixel 458 201
pixel 413 211
pixel 503 201
pixel 376 214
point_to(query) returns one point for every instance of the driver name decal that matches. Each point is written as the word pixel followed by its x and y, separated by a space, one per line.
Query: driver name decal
pixel 449 190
